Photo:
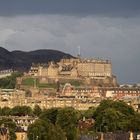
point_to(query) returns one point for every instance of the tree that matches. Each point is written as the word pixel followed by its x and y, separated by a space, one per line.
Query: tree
pixel 6 111
pixel 45 130
pixel 67 119
pixel 50 114
pixel 9 82
pixel 89 113
pixel 134 124
pixel 21 111
pixel 111 119
pixel 56 133
pixel 119 105
pixel 37 110
pixel 38 129
pixel 114 115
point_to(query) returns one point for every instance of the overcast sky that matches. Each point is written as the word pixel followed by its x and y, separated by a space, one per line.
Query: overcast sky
pixel 108 29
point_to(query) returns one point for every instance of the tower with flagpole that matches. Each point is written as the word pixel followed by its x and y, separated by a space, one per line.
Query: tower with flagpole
pixel 79 52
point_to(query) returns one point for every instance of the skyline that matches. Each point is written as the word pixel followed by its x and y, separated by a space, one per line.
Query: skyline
pixel 106 29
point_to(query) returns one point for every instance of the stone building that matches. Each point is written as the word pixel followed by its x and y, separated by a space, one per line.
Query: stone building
pixel 94 68
pixel 97 69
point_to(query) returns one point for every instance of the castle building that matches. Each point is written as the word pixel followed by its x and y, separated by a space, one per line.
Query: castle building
pixel 94 68
pixel 74 68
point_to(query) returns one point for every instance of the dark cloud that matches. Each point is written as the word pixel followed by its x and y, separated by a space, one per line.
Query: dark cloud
pixel 119 8
pixel 116 39
pixel 108 29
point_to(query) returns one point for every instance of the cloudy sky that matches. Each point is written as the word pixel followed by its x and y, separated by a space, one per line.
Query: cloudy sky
pixel 107 29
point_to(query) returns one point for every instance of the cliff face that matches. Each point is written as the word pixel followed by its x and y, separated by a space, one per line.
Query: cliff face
pixel 22 61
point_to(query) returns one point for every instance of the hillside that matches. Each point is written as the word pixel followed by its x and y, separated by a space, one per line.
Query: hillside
pixel 20 60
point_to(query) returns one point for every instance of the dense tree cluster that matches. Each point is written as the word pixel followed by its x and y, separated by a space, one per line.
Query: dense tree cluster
pixel 116 116
pixel 109 116
pixel 58 123
pixel 10 81
pixel 67 119
pixel 16 111
pixel 45 130
pixel 62 123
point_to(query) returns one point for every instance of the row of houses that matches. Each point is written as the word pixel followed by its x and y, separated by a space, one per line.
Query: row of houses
pixel 81 98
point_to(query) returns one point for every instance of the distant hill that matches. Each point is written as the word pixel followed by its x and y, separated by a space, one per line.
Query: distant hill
pixel 20 60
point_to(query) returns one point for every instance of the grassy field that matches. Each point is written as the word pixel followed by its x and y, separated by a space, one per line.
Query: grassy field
pixel 47 85
pixel 28 82
pixel 33 81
